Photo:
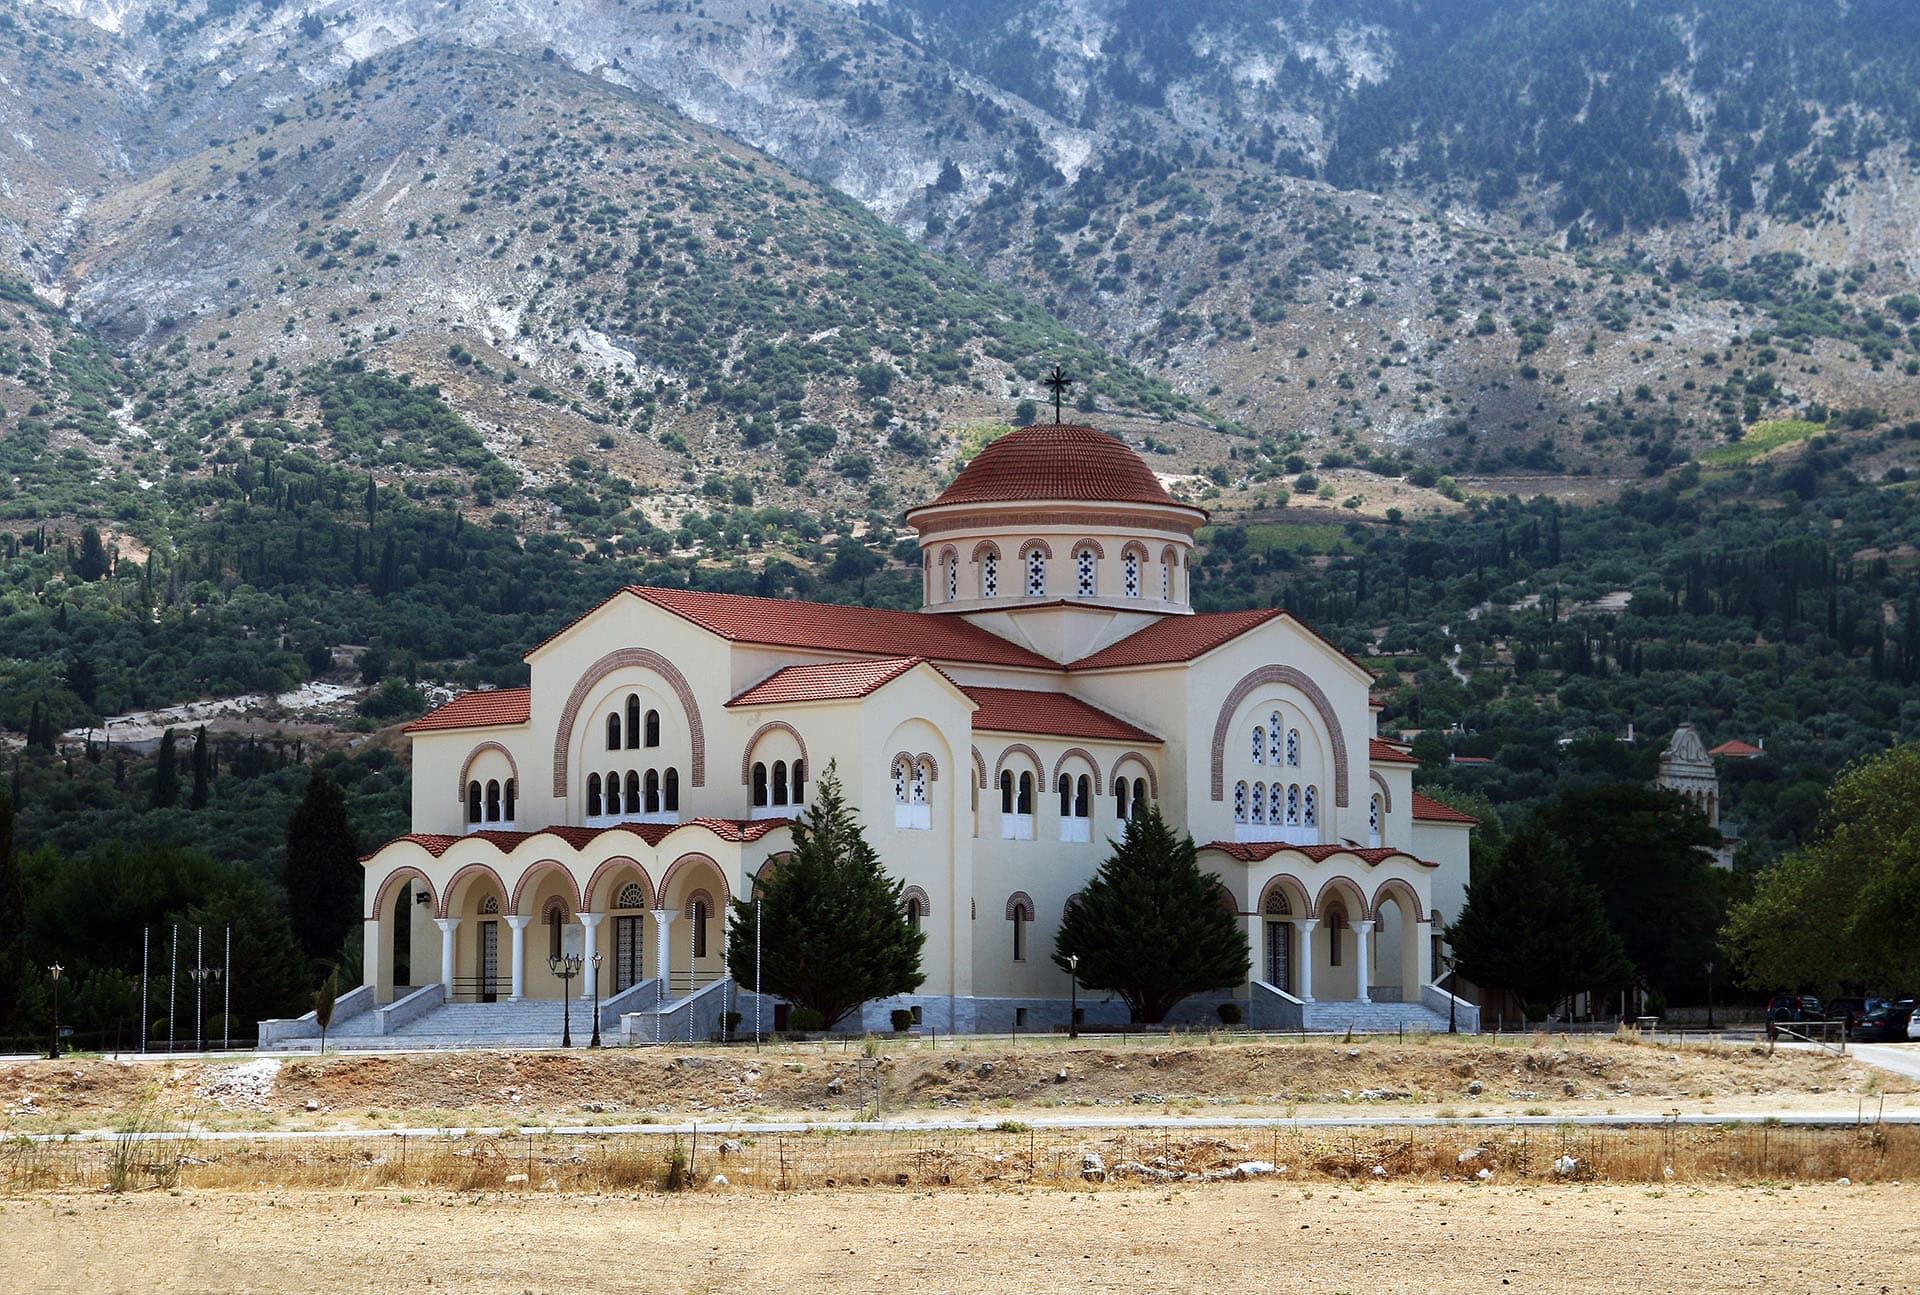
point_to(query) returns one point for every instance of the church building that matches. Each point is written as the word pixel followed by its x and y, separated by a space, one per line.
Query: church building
pixel 993 743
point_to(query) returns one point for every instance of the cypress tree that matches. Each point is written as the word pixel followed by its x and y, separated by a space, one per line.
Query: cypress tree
pixel 166 773
pixel 1150 926
pixel 202 770
pixel 323 868
pixel 13 932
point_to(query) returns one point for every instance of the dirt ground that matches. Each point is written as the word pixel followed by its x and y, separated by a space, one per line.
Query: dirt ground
pixel 1437 1076
pixel 1229 1236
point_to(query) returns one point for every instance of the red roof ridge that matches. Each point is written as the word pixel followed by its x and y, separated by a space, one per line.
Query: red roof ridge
pixel 482 708
pixel 1430 810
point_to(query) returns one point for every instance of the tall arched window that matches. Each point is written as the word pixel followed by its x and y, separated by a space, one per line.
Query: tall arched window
pixel 613 731
pixel 1310 807
pixel 953 577
pixel 493 800
pixel 1084 570
pixel 759 785
pixel 1293 805
pixel 1016 806
pixel 1036 572
pixel 1375 819
pixel 1293 748
pixel 673 791
pixel 556 924
pixel 1166 578
pixel 916 911
pixel 1006 791
pixel 1023 803
pixel 593 795
pixel 473 802
pixel 779 782
pixel 513 794
pixel 990 575
pixel 1336 932
pixel 1140 800
pixel 697 911
pixel 633 720
pixel 633 792
pixel 653 728
pixel 1120 799
pixel 1259 745
pixel 1240 802
pixel 652 801
pixel 797 783
pixel 613 793
pixel 1130 569
pixel 1076 807
pixel 1274 754
pixel 1258 812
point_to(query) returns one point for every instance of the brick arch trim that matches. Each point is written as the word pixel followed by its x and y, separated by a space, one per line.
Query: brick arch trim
pixel 985 548
pixel 532 873
pixel 453 883
pixel 1028 546
pixel 1138 549
pixel 630 658
pixel 1293 678
pixel 1344 886
pixel 914 892
pixel 1409 899
pixel 688 861
pixel 695 896
pixel 1060 764
pixel 1153 778
pixel 608 869
pixel 473 757
pixel 771 726
pixel 1386 792
pixel 384 891
pixel 1020 904
pixel 1020 748
pixel 980 768
pixel 933 765
pixel 1089 544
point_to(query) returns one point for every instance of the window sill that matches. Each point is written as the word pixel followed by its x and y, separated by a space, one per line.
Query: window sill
pixel 1016 827
pixel 1266 832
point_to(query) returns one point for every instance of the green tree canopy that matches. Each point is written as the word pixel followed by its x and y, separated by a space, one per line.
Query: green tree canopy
pixel 324 877
pixel 1534 925
pixel 1150 926
pixel 13 933
pixel 833 930
pixel 1840 913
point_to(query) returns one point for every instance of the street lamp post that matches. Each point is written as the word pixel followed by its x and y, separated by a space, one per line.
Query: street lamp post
pixel 596 999
pixel 566 966
pixel 1453 999
pixel 1073 974
pixel 53 1053
pixel 1709 995
pixel 201 976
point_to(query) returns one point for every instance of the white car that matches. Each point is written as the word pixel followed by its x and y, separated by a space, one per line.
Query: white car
pixel 1913 1027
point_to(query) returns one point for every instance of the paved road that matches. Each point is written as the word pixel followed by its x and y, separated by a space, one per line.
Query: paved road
pixel 737 1128
pixel 1901 1058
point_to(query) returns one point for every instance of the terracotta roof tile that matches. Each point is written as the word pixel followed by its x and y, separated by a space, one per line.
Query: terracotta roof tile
pixel 478 710
pixel 1260 851
pixel 1057 461
pixel 1737 750
pixel 1021 710
pixel 826 627
pixel 1380 749
pixel 831 681
pixel 727 829
pixel 1427 809
pixel 1176 638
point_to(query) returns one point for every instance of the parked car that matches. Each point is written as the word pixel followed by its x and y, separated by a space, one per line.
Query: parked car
pixel 1849 1008
pixel 1913 1023
pixel 1794 1007
pixel 1888 1023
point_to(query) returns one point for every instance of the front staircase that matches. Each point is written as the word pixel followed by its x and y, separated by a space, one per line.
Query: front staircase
pixel 422 1018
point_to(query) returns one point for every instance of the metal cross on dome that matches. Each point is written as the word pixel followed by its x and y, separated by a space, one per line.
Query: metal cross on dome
pixel 1058 382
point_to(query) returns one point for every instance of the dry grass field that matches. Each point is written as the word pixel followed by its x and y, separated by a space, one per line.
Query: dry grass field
pixel 1229 1236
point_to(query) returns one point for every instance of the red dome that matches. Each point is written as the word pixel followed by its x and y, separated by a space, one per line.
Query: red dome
pixel 1060 461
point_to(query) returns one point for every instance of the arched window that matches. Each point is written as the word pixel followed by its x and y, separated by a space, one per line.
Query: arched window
pixel 1065 788
pixel 797 783
pixel 1273 739
pixel 493 800
pixel 490 906
pixel 1140 801
pixel 779 782
pixel 901 772
pixel 697 910
pixel 1239 802
pixel 633 720
pixel 473 802
pixel 1293 804
pixel 1076 807
pixel 921 772
pixel 1336 930
pixel 632 895
pixel 593 795
pixel 1259 745
pixel 916 911
pixel 673 791
pixel 1374 821
pixel 990 575
pixel 1023 803
pixel 1036 572
pixel 1293 748
pixel 759 785
pixel 513 794
pixel 1083 573
pixel 1019 914
pixel 1130 567
pixel 633 792
pixel 1166 578
pixel 953 577
pixel 1120 799
pixel 613 793
pixel 1258 813
pixel 613 731
pixel 653 792
pixel 556 923
pixel 653 728
pixel 1006 791
pixel 1310 807
pixel 911 801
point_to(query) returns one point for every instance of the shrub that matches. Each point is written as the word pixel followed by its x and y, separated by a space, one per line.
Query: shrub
pixel 1230 1013
pixel 902 1019
pixel 806 1020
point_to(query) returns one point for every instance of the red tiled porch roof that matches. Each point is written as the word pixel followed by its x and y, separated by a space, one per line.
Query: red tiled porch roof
pixel 485 709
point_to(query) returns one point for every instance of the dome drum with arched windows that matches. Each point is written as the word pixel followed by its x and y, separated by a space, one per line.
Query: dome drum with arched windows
pixel 653 767
pixel 1053 513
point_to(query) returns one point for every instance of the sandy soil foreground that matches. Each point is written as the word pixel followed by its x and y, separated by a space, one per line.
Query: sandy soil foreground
pixel 1230 1236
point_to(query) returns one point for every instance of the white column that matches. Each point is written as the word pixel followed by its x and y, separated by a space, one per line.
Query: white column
pixel 662 951
pixel 1362 957
pixel 519 925
pixel 447 925
pixel 1306 927
pixel 590 945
